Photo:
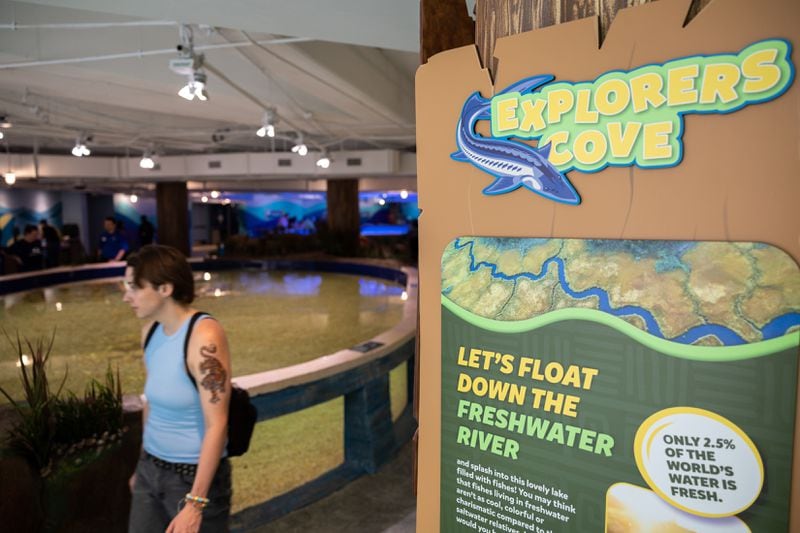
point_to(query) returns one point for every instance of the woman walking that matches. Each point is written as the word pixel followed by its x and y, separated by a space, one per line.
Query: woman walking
pixel 182 482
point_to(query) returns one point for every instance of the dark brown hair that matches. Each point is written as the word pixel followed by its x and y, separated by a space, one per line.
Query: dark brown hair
pixel 161 264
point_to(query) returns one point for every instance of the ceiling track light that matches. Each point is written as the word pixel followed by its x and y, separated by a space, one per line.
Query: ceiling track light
pixel 5 122
pixel 267 130
pixel 268 122
pixel 148 161
pixel 324 160
pixel 80 149
pixel 195 87
pixel 191 65
pixel 299 147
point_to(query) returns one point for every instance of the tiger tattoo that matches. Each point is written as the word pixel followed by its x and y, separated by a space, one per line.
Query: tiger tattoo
pixel 214 374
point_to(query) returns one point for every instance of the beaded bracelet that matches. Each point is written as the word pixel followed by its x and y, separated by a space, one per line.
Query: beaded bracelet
pixel 198 501
pixel 183 501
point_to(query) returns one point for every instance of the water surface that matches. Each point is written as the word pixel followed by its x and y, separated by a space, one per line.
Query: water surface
pixel 272 319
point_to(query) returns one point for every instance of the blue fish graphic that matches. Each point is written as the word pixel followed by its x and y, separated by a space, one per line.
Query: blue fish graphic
pixel 513 164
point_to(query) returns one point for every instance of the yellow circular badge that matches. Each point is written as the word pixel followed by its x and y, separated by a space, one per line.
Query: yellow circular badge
pixel 699 461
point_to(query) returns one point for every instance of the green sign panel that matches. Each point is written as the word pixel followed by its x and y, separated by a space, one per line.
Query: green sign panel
pixel 619 386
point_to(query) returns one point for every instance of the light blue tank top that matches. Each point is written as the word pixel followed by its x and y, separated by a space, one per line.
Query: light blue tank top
pixel 174 428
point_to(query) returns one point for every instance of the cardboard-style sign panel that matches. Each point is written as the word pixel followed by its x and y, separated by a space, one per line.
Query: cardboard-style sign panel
pixel 610 291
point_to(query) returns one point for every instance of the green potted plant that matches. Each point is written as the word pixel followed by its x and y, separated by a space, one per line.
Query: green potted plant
pixel 77 459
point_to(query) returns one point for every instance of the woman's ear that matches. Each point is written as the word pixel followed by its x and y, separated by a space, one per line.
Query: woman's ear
pixel 165 289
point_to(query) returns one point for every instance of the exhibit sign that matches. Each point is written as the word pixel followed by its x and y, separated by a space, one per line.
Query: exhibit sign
pixel 590 384
pixel 621 118
pixel 609 280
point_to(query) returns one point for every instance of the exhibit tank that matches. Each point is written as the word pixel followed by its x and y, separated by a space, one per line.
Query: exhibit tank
pixel 272 320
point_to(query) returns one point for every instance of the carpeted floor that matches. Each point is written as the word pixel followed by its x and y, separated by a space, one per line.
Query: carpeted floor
pixel 380 503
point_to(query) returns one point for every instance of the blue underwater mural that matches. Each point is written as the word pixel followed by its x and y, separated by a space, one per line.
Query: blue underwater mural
pixel 130 215
pixel 381 213
pixel 21 207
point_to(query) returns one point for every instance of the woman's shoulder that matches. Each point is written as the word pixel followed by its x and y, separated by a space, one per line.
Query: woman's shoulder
pixel 208 338
pixel 208 326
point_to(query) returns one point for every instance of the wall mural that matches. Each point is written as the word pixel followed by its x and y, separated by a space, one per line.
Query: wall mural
pixel 21 207
pixel 382 213
pixel 130 215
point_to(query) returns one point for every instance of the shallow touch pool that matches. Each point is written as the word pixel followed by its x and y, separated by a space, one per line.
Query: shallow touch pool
pixel 273 319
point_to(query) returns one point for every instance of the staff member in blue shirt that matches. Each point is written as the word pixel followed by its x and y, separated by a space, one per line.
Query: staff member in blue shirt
pixel 113 245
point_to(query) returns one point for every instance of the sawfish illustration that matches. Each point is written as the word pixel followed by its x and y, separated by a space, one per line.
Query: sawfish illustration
pixel 513 164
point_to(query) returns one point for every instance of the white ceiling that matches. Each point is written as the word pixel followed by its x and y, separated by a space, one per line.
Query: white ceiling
pixel 345 79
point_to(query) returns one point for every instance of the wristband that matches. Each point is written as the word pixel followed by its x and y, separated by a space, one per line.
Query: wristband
pixel 198 501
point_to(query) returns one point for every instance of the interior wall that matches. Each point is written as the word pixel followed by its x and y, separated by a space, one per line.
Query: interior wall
pixel 75 212
pixel 201 224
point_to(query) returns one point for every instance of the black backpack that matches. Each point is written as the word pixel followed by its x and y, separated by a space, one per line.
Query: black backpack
pixel 242 414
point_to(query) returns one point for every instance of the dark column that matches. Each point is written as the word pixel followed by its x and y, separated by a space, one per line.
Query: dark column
pixel 172 211
pixel 343 218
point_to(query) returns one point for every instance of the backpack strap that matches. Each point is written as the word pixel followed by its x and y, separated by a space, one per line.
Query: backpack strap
pixel 150 335
pixel 195 317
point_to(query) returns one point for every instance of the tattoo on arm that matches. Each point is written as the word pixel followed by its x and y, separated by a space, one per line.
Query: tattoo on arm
pixel 214 374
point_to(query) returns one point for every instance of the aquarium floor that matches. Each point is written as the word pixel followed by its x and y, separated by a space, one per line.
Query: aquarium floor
pixel 379 503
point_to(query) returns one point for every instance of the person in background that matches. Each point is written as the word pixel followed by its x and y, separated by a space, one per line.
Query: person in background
pixel 113 245
pixel 283 223
pixel 51 242
pixel 146 231
pixel 27 251
pixel 182 481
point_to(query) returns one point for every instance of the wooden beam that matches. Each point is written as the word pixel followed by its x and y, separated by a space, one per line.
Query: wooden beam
pixel 444 24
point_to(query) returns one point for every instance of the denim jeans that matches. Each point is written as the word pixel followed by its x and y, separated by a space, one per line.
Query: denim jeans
pixel 157 492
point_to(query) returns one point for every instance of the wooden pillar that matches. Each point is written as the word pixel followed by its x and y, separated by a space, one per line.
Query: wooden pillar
pixel 444 24
pixel 172 211
pixel 343 218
